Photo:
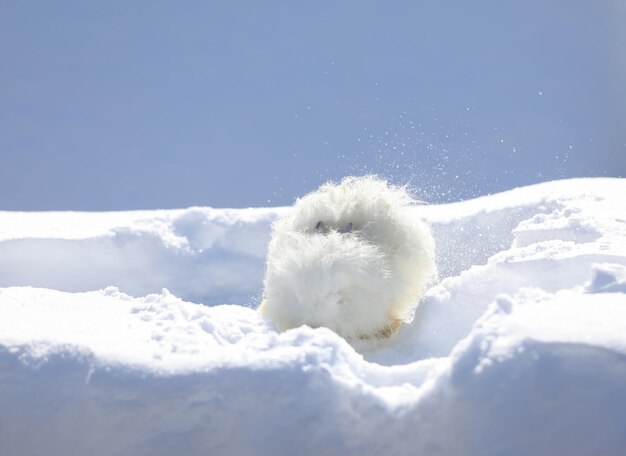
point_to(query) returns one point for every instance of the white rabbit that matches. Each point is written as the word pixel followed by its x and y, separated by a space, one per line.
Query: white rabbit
pixel 351 257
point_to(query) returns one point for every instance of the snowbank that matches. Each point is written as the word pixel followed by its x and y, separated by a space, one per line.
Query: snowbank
pixel 520 349
pixel 201 254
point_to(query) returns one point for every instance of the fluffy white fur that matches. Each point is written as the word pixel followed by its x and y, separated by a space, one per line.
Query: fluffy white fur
pixel 360 271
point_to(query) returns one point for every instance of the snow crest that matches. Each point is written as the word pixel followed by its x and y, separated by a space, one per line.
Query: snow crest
pixel 519 349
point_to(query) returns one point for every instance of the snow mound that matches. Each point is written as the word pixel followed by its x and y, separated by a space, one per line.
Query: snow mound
pixel 520 349
pixel 201 254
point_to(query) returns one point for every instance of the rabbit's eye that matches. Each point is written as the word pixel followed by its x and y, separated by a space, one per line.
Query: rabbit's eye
pixel 346 228
pixel 320 227
pixel 323 228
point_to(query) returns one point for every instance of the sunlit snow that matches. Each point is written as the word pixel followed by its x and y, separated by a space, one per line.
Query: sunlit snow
pixel 136 333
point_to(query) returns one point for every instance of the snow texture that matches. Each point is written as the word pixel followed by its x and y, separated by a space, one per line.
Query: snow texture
pixel 519 349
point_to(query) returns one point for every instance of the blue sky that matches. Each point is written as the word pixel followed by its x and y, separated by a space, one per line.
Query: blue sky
pixel 131 105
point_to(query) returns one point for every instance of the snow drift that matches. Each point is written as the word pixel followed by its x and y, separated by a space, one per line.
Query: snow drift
pixel 519 349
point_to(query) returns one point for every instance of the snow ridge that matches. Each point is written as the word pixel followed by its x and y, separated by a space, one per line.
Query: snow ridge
pixel 519 349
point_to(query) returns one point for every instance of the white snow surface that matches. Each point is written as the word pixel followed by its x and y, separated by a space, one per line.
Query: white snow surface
pixel 519 349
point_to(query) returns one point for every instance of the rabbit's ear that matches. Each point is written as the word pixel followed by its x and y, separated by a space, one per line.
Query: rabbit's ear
pixel 346 228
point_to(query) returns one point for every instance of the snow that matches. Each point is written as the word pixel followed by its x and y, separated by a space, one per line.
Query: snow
pixel 200 254
pixel 519 349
